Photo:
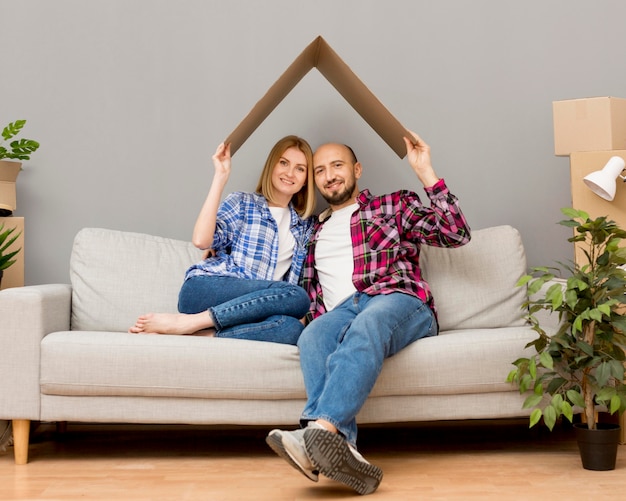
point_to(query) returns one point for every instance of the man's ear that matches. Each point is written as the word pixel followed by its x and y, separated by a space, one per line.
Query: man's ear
pixel 357 170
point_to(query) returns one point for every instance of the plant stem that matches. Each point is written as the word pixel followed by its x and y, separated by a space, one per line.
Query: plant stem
pixel 588 337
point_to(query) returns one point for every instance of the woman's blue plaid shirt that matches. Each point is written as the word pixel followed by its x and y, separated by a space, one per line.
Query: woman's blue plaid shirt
pixel 246 241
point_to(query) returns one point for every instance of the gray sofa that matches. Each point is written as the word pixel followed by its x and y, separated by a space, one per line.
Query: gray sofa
pixel 67 355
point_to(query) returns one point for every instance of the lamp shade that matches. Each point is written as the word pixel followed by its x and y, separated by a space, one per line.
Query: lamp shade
pixel 603 182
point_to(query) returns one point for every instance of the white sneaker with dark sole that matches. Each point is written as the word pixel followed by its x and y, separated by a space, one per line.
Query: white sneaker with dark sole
pixel 333 457
pixel 289 445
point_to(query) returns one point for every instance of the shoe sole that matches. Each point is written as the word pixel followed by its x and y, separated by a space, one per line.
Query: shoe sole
pixel 274 440
pixel 331 455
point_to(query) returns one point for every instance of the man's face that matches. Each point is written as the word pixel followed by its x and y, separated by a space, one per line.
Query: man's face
pixel 336 175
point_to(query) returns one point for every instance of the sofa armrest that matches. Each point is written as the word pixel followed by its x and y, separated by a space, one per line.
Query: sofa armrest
pixel 28 314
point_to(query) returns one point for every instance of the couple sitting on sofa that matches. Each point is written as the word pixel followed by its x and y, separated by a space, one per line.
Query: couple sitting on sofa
pixel 361 287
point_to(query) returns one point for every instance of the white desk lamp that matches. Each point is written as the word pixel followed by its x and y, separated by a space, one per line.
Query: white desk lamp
pixel 603 182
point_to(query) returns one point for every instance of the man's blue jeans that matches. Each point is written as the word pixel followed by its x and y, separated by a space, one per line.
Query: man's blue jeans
pixel 262 310
pixel 342 353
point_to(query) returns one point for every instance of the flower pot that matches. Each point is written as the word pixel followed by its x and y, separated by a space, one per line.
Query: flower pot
pixel 598 448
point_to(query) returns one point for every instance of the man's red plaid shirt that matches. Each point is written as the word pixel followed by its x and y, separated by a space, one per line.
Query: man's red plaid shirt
pixel 387 233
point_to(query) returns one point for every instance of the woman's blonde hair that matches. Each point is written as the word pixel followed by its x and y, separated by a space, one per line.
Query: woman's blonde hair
pixel 303 201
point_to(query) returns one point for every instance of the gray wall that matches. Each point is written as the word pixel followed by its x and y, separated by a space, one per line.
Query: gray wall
pixel 129 99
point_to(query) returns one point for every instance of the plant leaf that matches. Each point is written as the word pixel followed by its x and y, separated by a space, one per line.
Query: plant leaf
pixel 546 360
pixel 576 398
pixel 535 416
pixel 13 129
pixel 616 403
pixel 567 411
pixel 603 373
pixel 532 401
pixel 549 417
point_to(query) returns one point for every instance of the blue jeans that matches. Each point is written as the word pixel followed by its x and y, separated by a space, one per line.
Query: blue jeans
pixel 342 353
pixel 262 310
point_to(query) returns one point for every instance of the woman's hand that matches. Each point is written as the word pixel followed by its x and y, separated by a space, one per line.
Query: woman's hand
pixel 207 253
pixel 221 159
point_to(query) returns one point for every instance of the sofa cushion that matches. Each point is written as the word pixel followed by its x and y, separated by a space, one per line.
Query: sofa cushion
pixel 142 365
pixel 117 276
pixel 150 365
pixel 474 285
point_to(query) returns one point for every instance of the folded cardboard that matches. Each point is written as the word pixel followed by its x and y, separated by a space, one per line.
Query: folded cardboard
pixel 318 54
pixel 586 162
pixel 590 124
pixel 8 176
pixel 14 275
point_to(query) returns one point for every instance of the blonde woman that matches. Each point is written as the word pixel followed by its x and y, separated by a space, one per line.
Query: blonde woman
pixel 248 287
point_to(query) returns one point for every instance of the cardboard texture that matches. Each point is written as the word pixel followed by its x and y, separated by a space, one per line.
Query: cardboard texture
pixel 586 162
pixel 590 124
pixel 318 54
pixel 8 176
pixel 14 274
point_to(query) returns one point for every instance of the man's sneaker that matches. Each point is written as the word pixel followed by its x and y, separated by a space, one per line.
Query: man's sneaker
pixel 289 445
pixel 332 456
pixel 6 435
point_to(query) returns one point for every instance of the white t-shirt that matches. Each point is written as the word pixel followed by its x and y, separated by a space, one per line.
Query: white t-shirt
pixel 286 242
pixel 334 259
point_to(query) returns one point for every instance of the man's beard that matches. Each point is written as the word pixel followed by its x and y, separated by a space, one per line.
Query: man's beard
pixel 340 197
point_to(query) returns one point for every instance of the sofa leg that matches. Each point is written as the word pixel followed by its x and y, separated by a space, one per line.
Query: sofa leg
pixel 21 432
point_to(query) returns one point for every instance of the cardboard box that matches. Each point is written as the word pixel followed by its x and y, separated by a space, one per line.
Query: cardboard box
pixel 586 162
pixel 14 274
pixel 8 176
pixel 318 54
pixel 591 124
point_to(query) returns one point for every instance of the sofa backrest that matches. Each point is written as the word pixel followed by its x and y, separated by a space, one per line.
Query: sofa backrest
pixel 117 276
pixel 474 285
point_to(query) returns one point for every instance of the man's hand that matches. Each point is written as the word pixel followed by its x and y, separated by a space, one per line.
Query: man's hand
pixel 418 154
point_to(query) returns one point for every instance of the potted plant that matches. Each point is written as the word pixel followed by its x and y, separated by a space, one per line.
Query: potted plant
pixel 17 149
pixel 581 365
pixel 7 237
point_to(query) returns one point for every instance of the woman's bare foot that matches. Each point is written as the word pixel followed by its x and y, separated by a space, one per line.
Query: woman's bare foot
pixel 173 323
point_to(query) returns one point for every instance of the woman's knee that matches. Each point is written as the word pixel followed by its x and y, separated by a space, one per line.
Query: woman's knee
pixel 298 297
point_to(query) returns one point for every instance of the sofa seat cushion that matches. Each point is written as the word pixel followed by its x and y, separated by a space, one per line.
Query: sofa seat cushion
pixel 116 363
pixel 121 364
pixel 456 362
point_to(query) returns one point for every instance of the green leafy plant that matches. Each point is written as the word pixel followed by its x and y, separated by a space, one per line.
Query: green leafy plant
pixel 7 237
pixel 18 149
pixel 582 363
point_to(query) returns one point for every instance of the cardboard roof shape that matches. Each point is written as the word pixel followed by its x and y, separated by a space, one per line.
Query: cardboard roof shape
pixel 318 54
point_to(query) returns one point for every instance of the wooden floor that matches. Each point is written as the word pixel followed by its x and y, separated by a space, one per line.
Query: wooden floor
pixel 486 460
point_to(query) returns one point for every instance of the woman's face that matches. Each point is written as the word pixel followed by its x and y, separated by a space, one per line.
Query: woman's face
pixel 289 175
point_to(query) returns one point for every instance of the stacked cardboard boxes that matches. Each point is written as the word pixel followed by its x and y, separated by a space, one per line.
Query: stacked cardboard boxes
pixel 591 131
